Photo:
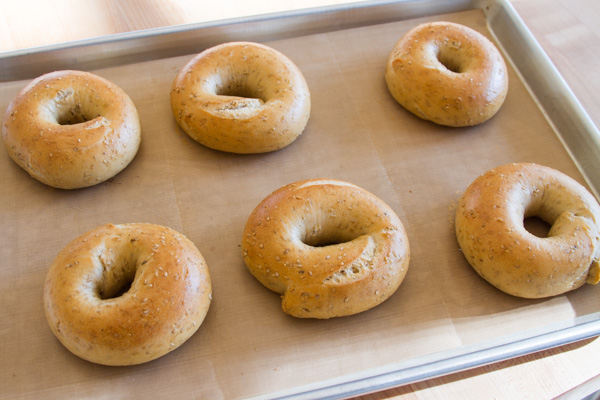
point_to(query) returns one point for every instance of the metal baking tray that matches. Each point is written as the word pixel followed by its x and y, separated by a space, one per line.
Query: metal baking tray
pixel 563 111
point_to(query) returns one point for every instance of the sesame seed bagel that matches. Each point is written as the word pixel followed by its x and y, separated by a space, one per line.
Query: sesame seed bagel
pixel 126 294
pixel 491 233
pixel 328 247
pixel 448 74
pixel 241 97
pixel 71 129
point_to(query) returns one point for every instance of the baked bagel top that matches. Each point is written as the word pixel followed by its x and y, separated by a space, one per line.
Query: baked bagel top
pixel 127 294
pixel 447 73
pixel 241 97
pixel 491 232
pixel 328 247
pixel 72 129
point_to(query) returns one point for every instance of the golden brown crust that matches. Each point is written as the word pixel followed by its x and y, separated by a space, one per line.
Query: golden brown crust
pixel 448 74
pixel 491 233
pixel 169 296
pixel 71 129
pixel 328 247
pixel 241 98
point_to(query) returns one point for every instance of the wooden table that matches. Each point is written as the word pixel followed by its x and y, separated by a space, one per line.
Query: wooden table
pixel 568 30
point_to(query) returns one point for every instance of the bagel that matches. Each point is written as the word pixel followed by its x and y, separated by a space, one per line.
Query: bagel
pixel 241 97
pixel 492 236
pixel 447 73
pixel 330 248
pixel 71 129
pixel 126 294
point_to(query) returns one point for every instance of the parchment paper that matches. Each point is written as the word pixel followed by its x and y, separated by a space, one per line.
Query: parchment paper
pixel 247 345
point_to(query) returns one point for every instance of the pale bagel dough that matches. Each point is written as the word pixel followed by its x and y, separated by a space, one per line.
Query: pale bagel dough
pixel 491 233
pixel 241 97
pixel 71 129
pixel 448 74
pixel 328 247
pixel 167 300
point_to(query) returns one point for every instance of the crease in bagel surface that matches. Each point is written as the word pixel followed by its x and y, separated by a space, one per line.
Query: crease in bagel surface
pixel 492 235
pixel 330 255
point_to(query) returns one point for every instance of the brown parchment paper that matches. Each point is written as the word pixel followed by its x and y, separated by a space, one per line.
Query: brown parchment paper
pixel 247 346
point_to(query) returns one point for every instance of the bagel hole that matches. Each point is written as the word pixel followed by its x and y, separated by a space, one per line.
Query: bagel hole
pixel 323 243
pixel 116 282
pixel 449 60
pixel 326 239
pixel 120 291
pixel 537 226
pixel 116 290
pixel 450 64
pixel 72 115
pixel 239 90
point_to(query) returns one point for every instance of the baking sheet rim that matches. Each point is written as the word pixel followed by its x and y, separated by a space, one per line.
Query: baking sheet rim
pixel 446 362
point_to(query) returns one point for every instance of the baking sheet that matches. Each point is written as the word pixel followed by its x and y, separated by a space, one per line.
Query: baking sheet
pixel 247 346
